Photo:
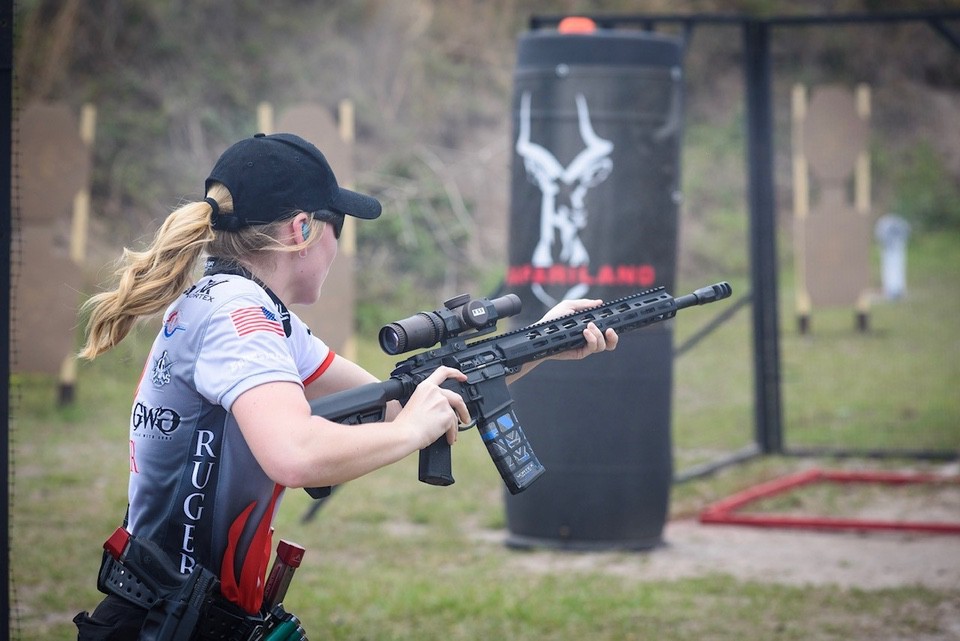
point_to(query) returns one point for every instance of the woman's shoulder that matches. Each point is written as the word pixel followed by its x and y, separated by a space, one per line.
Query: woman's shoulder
pixel 211 297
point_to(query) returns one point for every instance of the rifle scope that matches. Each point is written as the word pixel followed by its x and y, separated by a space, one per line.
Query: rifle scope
pixel 459 314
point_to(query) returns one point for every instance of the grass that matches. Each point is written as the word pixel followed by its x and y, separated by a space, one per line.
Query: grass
pixel 893 387
pixel 389 558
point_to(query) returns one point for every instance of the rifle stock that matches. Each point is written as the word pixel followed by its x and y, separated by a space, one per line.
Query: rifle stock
pixel 364 404
pixel 487 362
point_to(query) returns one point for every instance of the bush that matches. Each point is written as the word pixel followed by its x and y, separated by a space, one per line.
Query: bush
pixel 926 194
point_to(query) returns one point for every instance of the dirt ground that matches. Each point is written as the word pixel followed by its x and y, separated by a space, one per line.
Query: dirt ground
pixel 851 560
pixel 865 560
pixel 855 560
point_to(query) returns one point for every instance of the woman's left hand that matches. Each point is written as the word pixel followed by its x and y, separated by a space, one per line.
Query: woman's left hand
pixel 597 341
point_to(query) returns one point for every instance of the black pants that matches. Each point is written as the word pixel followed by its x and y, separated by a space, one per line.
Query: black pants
pixel 115 619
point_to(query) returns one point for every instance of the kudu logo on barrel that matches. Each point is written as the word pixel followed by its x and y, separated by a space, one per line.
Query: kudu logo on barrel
pixel 563 212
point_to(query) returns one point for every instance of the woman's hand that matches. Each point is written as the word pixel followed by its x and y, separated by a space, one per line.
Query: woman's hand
pixel 297 449
pixel 433 410
pixel 597 341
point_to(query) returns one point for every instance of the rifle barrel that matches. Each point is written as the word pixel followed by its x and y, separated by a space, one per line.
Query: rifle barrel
pixel 704 295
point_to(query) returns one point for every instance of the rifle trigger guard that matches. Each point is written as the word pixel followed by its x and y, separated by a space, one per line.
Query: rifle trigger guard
pixel 463 427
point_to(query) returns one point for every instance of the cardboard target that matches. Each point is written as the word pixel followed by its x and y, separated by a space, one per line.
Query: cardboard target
pixel 54 162
pixel 831 236
pixel 833 133
pixel 838 256
pixel 331 318
pixel 44 311
pixel 314 123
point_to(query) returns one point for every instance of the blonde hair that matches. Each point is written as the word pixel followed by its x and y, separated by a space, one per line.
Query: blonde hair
pixel 149 280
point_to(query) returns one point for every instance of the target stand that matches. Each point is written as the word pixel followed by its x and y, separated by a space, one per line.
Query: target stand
pixel 730 511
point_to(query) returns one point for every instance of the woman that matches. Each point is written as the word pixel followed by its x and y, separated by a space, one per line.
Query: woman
pixel 221 423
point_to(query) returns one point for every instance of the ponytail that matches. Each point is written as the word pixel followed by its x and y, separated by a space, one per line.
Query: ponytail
pixel 152 279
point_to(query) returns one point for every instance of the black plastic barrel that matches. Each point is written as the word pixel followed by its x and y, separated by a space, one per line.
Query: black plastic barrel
pixel 594 202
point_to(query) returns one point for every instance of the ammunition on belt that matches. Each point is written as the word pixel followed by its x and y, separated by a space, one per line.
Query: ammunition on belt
pixel 289 629
pixel 288 559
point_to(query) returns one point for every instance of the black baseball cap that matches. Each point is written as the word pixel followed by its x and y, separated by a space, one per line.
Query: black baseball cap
pixel 272 177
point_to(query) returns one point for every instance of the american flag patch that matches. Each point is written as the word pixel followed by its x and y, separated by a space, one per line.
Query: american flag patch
pixel 248 320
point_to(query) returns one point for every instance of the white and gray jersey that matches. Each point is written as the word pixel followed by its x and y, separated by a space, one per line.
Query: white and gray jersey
pixel 195 487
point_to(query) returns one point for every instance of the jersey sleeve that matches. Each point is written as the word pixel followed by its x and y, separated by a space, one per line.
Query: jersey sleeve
pixel 244 346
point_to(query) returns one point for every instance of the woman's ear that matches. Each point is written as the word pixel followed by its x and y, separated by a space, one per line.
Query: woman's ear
pixel 300 228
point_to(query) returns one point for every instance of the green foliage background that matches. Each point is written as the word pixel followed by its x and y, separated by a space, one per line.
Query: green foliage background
pixel 175 82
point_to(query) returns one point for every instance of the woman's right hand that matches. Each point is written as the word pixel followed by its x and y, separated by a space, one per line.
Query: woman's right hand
pixel 433 411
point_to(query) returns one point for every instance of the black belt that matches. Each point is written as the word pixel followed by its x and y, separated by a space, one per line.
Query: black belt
pixel 220 619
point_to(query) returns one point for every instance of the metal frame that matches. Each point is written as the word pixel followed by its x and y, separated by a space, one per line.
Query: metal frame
pixel 731 510
pixel 761 194
pixel 6 232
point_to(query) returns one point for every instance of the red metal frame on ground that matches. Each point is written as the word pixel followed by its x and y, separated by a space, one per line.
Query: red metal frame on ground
pixel 726 511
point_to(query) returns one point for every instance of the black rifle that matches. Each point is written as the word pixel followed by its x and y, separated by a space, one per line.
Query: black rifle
pixel 487 363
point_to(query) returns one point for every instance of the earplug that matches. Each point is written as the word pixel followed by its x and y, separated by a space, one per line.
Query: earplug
pixel 305 230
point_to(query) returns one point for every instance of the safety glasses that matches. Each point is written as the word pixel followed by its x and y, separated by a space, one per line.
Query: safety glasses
pixel 334 219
